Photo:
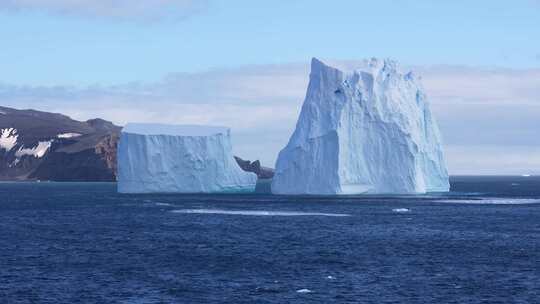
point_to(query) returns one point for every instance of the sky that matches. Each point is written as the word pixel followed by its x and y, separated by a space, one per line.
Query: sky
pixel 245 64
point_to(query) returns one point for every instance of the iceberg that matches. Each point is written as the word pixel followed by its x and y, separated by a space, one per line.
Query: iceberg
pixel 156 158
pixel 369 130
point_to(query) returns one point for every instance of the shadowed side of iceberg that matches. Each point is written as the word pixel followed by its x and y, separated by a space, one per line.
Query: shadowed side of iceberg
pixel 157 158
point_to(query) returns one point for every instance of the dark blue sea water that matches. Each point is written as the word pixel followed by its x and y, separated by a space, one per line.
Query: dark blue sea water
pixel 84 243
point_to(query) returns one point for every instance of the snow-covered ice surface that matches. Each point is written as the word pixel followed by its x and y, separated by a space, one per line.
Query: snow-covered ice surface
pixel 367 131
pixel 174 130
pixel 179 158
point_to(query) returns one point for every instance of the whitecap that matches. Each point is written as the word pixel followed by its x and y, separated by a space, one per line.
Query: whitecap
pixel 151 203
pixel 256 212
pixel 401 210
pixel 163 204
pixel 493 201
pixel 304 290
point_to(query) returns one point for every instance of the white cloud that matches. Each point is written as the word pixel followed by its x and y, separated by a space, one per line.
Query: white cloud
pixel 481 85
pixel 494 160
pixel 480 111
pixel 120 9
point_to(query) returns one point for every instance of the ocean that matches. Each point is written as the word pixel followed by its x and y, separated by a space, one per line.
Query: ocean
pixel 84 243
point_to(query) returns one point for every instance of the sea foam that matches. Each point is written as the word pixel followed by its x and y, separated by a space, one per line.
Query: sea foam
pixel 304 290
pixel 492 201
pixel 257 212
pixel 401 210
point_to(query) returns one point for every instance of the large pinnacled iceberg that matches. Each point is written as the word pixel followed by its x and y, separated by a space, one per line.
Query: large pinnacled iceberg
pixel 179 158
pixel 366 131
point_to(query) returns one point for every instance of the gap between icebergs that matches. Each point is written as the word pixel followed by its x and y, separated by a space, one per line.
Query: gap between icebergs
pixel 257 212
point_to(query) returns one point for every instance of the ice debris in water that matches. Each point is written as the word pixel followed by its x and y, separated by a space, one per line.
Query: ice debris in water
pixel 401 210
pixel 163 204
pixel 304 290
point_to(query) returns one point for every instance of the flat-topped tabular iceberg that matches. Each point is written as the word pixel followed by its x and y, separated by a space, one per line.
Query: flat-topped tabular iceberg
pixel 367 131
pixel 179 158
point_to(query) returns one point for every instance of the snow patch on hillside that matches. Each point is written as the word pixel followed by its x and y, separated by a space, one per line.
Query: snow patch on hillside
pixel 38 151
pixel 68 135
pixel 8 138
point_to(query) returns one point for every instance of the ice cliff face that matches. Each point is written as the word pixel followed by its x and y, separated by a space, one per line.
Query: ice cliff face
pixel 184 159
pixel 368 131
